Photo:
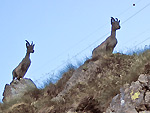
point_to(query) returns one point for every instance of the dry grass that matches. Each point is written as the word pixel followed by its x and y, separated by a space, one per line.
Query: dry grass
pixel 94 96
pixel 113 72
pixel 27 99
pixel 53 89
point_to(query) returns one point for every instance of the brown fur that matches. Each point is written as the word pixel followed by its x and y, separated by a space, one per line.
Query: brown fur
pixel 109 44
pixel 22 68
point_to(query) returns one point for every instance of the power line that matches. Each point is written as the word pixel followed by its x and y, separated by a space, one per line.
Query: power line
pixel 77 54
pixel 103 36
pixel 142 41
pixel 136 13
pixel 72 46
pixel 108 32
pixel 73 56
pixel 128 8
pixel 82 51
pixel 137 36
pixel 83 39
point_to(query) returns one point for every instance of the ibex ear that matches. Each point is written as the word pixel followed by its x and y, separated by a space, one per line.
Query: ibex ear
pixel 112 20
pixel 119 21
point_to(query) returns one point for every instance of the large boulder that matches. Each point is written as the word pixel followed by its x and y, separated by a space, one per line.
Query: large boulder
pixel 17 88
pixel 134 98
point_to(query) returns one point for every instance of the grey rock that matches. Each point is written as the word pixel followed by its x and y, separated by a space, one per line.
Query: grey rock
pixel 147 97
pixel 81 75
pixel 115 104
pixel 133 98
pixel 136 94
pixel 143 79
pixel 136 86
pixel 21 108
pixel 130 111
pixel 148 82
pixel 144 112
pixel 17 89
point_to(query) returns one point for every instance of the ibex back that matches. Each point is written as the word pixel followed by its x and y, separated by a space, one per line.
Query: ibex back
pixel 22 68
pixel 109 44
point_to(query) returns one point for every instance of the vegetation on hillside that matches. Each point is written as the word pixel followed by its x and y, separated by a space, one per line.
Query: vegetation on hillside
pixel 94 96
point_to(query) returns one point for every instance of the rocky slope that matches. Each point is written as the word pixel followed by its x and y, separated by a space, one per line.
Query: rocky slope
pixel 100 85
pixel 134 98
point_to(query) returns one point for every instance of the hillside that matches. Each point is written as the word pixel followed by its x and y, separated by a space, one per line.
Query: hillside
pixel 90 88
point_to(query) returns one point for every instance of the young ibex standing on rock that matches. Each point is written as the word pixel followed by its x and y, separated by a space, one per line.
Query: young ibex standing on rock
pixel 109 44
pixel 22 68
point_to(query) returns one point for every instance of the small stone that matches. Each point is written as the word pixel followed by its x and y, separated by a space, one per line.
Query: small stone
pixel 135 86
pixel 148 82
pixel 141 107
pixel 131 111
pixel 21 108
pixel 143 79
pixel 147 97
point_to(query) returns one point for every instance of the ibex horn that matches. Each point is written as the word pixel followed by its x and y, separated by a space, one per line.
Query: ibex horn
pixel 32 43
pixel 112 18
pixel 117 19
pixel 27 42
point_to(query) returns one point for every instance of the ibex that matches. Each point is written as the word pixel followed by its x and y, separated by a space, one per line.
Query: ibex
pixel 22 68
pixel 109 44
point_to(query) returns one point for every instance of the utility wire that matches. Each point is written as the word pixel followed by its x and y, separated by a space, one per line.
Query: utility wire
pixel 142 41
pixel 103 36
pixel 74 56
pixel 137 36
pixel 85 38
pixel 79 52
pixel 59 55
pixel 136 13
pixel 108 32
pixel 128 9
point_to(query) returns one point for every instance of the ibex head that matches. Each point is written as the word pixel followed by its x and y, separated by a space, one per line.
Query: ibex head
pixel 115 23
pixel 30 47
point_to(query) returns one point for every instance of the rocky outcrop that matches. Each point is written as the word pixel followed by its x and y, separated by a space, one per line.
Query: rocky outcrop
pixel 81 75
pixel 90 89
pixel 96 68
pixel 134 98
pixel 17 89
pixel 21 108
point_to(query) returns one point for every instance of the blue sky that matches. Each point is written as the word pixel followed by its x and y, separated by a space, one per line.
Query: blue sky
pixel 65 31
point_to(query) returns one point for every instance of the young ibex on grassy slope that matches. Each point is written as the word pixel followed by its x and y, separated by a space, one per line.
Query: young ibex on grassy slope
pixel 22 68
pixel 109 44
